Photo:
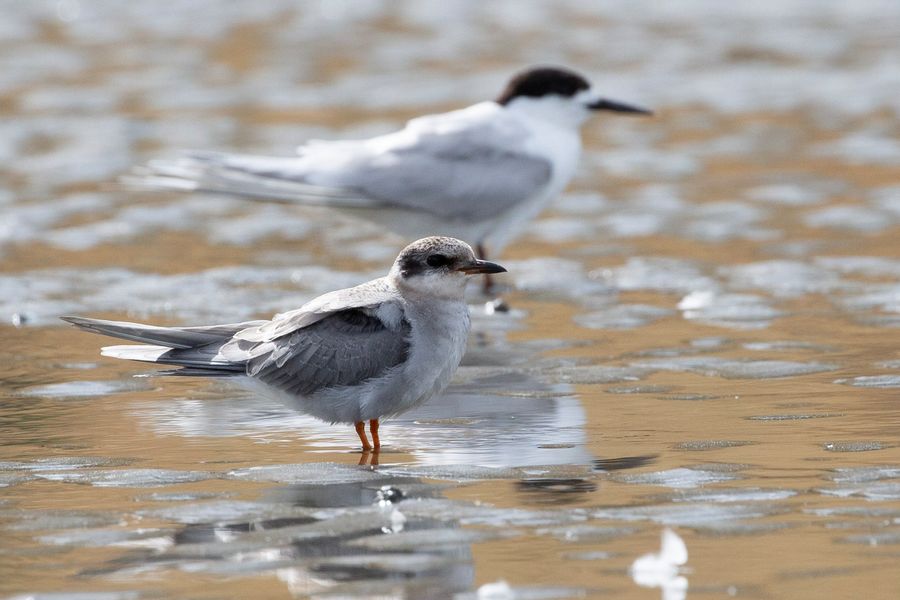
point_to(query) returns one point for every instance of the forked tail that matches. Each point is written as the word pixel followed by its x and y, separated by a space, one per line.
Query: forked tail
pixel 194 348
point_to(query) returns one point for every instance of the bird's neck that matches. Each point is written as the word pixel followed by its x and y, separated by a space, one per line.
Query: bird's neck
pixel 549 110
pixel 425 288
pixel 438 295
pixel 446 319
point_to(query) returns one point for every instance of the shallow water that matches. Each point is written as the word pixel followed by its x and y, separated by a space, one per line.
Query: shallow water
pixel 703 331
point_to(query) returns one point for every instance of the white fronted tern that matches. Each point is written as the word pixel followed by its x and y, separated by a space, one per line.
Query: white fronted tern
pixel 479 174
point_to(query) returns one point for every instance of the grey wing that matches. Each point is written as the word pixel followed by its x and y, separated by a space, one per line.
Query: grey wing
pixel 344 348
pixel 465 175
pixel 372 295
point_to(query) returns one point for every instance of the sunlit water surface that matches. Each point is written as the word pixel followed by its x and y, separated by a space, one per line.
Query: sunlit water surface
pixel 703 334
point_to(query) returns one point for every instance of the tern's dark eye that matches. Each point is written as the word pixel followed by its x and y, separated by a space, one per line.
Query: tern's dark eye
pixel 437 260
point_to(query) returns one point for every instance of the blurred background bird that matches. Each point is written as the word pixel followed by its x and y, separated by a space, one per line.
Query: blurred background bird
pixel 480 173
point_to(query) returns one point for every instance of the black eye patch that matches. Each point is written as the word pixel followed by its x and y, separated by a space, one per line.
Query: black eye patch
pixel 437 260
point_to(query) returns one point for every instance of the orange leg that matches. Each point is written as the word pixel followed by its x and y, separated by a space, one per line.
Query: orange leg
pixel 373 427
pixel 361 432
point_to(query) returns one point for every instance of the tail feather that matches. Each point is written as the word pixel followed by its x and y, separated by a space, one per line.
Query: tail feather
pixel 194 348
pixel 141 353
pixel 197 372
pixel 194 358
pixel 279 179
pixel 170 337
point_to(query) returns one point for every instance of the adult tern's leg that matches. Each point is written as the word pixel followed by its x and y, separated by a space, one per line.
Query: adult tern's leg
pixel 487 284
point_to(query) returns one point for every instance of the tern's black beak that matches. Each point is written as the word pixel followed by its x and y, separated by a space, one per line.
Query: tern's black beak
pixel 604 104
pixel 481 266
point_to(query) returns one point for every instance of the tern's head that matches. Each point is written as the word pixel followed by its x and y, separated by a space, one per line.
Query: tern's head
pixel 558 95
pixel 439 266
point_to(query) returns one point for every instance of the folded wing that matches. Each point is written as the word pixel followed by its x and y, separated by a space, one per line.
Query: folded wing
pixel 468 175
pixel 338 339
pixel 345 348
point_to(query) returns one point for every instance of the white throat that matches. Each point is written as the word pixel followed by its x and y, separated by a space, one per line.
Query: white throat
pixel 446 286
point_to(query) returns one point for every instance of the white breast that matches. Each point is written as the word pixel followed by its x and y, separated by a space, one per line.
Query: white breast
pixel 440 329
pixel 561 146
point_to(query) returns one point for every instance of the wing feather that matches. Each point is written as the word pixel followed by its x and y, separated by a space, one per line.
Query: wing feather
pixel 344 348
pixel 367 295
pixel 463 165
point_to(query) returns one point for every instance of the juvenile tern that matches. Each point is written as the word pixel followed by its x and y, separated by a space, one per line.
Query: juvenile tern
pixel 348 356
pixel 479 174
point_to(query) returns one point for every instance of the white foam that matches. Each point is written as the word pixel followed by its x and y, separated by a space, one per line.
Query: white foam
pixel 736 311
pixel 657 274
pixel 129 477
pixel 84 388
pixel 856 218
pixel 873 381
pixel 223 511
pixel 783 277
pixel 623 316
pixel 308 473
pixel 678 478
pixel 707 515
pixel 736 369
